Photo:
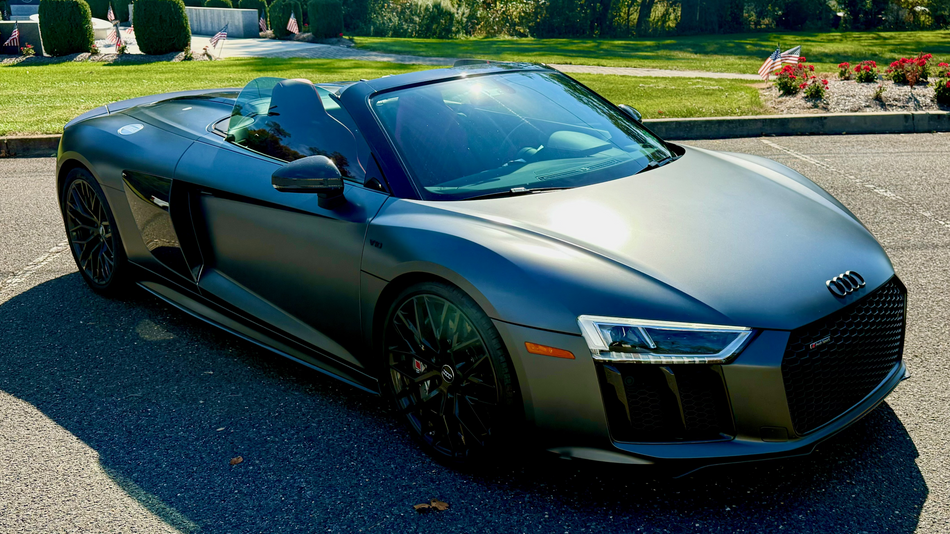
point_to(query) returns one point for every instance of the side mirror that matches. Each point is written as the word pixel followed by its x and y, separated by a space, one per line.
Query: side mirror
pixel 312 174
pixel 634 114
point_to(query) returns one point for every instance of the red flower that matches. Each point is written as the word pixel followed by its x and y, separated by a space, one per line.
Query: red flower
pixel 811 68
pixel 792 76
pixel 925 57
pixel 825 82
pixel 801 59
pixel 802 86
pixel 948 83
pixel 844 65
pixel 942 65
pixel 341 34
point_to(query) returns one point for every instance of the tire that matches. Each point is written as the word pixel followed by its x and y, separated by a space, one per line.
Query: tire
pixel 448 375
pixel 92 234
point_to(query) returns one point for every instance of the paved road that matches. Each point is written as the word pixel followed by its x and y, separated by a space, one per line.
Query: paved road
pixel 122 415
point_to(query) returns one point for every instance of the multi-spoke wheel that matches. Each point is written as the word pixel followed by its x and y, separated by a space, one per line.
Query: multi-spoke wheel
pixel 448 372
pixel 90 229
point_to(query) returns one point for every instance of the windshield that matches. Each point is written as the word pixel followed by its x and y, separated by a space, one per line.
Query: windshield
pixel 516 131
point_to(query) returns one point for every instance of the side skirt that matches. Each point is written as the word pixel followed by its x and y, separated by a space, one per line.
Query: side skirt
pixel 311 358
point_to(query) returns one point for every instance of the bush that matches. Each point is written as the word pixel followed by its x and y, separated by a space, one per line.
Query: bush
pixel 355 15
pixel 415 18
pixel 844 71
pixel 66 26
pixel 259 5
pixel 100 9
pixel 193 3
pixel 161 26
pixel 942 84
pixel 280 13
pixel 793 78
pixel 326 18
pixel 814 88
pixel 909 70
pixel 865 72
pixel 218 3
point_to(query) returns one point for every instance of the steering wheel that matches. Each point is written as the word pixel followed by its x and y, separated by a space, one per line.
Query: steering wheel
pixel 507 140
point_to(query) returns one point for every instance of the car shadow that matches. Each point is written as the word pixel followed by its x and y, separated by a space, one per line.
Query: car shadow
pixel 167 401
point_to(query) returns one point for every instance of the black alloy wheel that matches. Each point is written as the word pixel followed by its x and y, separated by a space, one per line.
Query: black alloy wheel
pixel 448 373
pixel 90 229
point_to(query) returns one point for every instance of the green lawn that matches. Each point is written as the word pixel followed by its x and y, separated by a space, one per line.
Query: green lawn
pixel 40 99
pixel 742 53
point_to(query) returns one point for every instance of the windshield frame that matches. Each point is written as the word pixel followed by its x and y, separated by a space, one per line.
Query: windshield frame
pixel 673 151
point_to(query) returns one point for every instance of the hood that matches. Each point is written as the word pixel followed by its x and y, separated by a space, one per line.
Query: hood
pixel 754 242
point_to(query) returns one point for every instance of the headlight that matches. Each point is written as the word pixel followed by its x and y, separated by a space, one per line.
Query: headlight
pixel 613 339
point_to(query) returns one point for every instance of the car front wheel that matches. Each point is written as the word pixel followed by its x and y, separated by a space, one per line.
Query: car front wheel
pixel 449 374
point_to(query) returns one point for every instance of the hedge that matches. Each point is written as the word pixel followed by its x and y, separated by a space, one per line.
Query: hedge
pixel 259 5
pixel 100 9
pixel 161 26
pixel 356 15
pixel 193 3
pixel 218 3
pixel 326 18
pixel 280 14
pixel 66 26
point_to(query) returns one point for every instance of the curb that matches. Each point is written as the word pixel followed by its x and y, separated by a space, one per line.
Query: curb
pixel 783 125
pixel 29 146
pixel 676 129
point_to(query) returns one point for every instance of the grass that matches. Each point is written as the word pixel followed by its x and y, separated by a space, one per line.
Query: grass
pixel 40 99
pixel 741 53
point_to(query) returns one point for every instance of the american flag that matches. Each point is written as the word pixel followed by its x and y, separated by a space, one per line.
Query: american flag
pixel 129 30
pixel 110 15
pixel 263 24
pixel 14 39
pixel 770 64
pixel 221 35
pixel 790 56
pixel 115 37
pixel 292 24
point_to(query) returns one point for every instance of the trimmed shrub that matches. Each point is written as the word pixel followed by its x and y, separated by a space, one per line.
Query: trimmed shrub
pixel 280 14
pixel 193 3
pixel 100 9
pixel 218 3
pixel 259 5
pixel 66 26
pixel 161 26
pixel 326 18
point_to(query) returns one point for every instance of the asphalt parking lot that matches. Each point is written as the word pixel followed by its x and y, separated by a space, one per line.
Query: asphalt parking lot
pixel 122 415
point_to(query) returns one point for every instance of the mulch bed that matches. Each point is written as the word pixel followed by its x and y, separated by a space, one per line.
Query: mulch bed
pixel 846 96
pixel 127 59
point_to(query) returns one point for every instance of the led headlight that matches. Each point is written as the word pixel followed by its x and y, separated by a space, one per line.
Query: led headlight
pixel 613 339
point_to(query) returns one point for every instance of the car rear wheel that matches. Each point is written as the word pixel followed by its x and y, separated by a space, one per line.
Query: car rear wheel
pixel 449 374
pixel 92 234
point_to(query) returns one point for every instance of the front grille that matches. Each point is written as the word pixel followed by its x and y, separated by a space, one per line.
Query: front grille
pixel 650 403
pixel 862 343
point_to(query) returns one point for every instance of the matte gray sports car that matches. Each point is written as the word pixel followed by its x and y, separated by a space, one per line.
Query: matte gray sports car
pixel 502 252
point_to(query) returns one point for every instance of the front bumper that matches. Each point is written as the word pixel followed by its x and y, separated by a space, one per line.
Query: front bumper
pixel 569 413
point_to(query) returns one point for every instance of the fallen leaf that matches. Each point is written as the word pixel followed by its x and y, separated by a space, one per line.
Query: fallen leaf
pixel 434 504
pixel 236 460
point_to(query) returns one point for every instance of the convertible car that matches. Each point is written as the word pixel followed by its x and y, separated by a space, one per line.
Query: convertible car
pixel 506 255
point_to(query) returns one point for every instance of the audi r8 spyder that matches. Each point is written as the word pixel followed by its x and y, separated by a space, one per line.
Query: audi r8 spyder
pixel 504 254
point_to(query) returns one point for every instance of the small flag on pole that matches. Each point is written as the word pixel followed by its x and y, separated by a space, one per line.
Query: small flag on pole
pixel 110 15
pixel 14 39
pixel 129 30
pixel 292 24
pixel 221 35
pixel 263 24
pixel 790 56
pixel 770 64
pixel 115 37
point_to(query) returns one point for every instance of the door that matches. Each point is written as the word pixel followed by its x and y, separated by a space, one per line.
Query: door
pixel 276 256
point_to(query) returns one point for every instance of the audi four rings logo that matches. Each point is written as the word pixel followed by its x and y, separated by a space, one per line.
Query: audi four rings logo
pixel 846 283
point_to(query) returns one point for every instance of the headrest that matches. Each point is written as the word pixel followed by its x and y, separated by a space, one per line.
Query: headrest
pixel 298 97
